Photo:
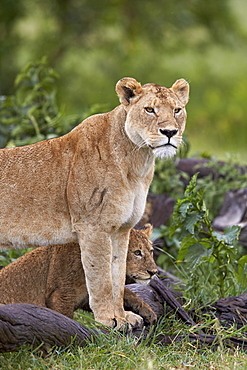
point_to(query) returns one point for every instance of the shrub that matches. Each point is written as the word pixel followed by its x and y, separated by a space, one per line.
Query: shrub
pixel 211 263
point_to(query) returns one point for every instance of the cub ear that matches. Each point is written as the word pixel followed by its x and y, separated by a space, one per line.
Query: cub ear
pixel 147 230
pixel 127 88
pixel 181 89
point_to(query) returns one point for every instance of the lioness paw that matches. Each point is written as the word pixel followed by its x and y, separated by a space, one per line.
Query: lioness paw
pixel 118 323
pixel 134 320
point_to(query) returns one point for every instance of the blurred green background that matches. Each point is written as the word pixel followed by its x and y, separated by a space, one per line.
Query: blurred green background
pixel 91 44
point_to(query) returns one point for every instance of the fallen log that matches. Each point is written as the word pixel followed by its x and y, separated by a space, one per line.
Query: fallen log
pixel 36 326
pixel 42 328
pixel 169 298
pixel 28 324
pixel 229 311
pixel 156 294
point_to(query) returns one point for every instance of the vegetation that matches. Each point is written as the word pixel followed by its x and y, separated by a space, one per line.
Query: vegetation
pixel 223 177
pixel 212 263
pixel 31 114
pixel 125 353
pixel 203 197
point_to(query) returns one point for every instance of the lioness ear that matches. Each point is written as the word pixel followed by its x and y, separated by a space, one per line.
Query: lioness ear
pixel 181 89
pixel 147 230
pixel 127 88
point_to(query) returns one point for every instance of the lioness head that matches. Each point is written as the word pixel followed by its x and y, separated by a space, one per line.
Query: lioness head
pixel 156 115
pixel 140 267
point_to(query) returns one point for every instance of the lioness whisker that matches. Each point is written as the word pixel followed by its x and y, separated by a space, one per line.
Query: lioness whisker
pixel 140 146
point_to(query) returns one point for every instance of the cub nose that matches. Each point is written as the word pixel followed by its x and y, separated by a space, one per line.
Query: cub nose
pixel 168 133
pixel 152 272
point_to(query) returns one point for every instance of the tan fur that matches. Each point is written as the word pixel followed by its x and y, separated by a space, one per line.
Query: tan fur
pixel 90 186
pixel 53 277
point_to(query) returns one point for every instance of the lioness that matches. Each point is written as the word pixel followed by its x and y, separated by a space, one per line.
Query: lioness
pixel 53 277
pixel 90 186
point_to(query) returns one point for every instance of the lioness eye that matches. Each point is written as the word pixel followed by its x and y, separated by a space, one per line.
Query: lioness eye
pixel 177 110
pixel 149 110
pixel 138 253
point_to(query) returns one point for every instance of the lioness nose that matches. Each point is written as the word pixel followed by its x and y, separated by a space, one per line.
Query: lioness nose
pixel 168 133
pixel 152 272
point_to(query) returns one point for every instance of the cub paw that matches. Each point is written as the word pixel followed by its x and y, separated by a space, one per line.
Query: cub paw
pixel 148 314
pixel 152 318
pixel 134 320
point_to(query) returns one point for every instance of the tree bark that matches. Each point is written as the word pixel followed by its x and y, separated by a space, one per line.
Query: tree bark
pixel 23 323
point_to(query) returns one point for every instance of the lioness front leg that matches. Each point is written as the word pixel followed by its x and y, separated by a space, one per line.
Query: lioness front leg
pixel 120 242
pixel 96 255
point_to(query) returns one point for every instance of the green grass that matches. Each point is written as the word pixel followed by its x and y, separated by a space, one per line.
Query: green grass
pixel 125 353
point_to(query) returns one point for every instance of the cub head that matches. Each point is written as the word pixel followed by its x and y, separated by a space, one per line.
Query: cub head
pixel 140 267
pixel 155 115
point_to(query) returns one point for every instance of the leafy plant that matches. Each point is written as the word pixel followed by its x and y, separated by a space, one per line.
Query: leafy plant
pixel 32 113
pixel 224 176
pixel 210 262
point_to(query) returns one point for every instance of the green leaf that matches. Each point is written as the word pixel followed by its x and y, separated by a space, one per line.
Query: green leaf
pixel 242 268
pixel 230 236
pixel 184 208
pixel 191 221
pixel 192 185
pixel 187 241
pixel 196 253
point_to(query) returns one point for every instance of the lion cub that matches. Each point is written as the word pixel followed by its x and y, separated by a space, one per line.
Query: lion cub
pixel 53 277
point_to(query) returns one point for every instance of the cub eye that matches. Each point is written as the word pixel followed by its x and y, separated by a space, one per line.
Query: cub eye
pixel 149 110
pixel 177 110
pixel 138 253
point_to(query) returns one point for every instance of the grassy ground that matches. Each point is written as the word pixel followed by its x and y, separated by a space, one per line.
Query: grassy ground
pixel 125 353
